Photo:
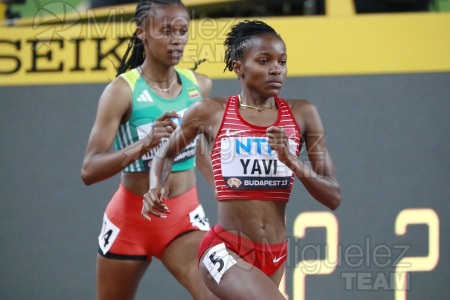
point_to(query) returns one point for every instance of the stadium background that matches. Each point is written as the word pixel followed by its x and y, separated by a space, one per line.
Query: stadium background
pixel 381 83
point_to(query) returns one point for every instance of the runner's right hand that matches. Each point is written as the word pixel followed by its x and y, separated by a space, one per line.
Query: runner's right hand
pixel 162 128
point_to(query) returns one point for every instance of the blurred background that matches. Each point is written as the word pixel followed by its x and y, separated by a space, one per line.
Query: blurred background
pixel 250 8
pixel 378 71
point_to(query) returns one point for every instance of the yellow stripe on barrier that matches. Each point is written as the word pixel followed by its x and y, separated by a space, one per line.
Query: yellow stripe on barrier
pixel 340 8
pixel 362 44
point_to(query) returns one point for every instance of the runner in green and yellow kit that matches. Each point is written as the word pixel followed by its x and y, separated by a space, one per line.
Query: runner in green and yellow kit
pixel 137 112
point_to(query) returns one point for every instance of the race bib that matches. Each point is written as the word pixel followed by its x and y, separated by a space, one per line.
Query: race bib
pixel 187 152
pixel 217 260
pixel 249 163
pixel 107 235
pixel 198 218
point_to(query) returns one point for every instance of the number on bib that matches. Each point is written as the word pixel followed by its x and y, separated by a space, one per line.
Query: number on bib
pixel 217 260
pixel 198 218
pixel 108 234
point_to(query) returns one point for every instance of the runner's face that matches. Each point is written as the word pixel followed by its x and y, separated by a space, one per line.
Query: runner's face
pixel 263 65
pixel 166 34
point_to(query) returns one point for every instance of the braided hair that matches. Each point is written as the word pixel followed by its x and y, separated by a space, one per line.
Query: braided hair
pixel 135 53
pixel 238 39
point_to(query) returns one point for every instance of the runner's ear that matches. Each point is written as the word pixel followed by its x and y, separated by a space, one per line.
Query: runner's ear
pixel 237 68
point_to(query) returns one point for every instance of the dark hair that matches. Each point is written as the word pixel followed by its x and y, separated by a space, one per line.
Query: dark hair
pixel 237 39
pixel 135 46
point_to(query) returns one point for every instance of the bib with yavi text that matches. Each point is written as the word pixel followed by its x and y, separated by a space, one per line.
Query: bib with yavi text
pixel 244 165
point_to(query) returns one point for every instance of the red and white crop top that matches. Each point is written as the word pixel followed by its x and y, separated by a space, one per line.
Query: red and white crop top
pixel 244 166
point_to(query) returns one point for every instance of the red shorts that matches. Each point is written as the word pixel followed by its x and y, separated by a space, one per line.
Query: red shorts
pixel 126 234
pixel 266 257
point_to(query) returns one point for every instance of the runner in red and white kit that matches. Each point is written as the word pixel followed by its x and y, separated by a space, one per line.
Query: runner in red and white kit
pixel 255 138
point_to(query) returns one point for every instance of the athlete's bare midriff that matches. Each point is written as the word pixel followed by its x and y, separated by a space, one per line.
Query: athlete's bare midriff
pixel 177 183
pixel 259 221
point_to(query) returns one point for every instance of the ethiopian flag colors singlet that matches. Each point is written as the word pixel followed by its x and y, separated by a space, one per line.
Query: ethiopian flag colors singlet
pixel 147 106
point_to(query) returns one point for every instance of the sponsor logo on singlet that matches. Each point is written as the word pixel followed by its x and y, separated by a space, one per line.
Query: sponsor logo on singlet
pixel 248 162
pixel 145 97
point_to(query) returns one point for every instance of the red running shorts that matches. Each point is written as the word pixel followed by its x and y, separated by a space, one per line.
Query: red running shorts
pixel 126 234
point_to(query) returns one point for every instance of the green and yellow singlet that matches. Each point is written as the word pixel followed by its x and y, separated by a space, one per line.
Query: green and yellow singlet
pixel 147 106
